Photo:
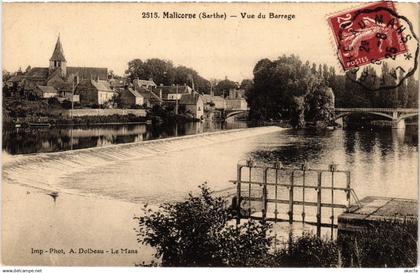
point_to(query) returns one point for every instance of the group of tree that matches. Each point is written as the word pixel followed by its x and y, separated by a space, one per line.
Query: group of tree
pixel 164 72
pixel 287 88
pixel 370 88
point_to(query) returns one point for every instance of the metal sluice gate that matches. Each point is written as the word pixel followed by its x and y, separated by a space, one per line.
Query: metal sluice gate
pixel 283 193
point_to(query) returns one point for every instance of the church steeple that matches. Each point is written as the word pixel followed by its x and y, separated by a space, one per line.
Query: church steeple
pixel 57 59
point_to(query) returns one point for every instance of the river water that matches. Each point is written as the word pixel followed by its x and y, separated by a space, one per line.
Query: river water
pixel 101 188
pixel 382 162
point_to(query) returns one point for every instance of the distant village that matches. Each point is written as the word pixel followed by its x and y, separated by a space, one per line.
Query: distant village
pixel 95 87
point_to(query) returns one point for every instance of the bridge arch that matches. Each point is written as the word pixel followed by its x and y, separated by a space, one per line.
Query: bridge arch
pixel 344 114
pixel 235 113
pixel 407 116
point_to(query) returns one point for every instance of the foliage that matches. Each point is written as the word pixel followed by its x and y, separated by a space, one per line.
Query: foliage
pixel 196 233
pixel 382 244
pixel 222 88
pixel 279 85
pixel 67 104
pixel 309 251
pixel 164 72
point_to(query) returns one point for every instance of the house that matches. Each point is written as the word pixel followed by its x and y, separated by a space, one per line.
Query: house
pixel 94 92
pixel 131 97
pixel 236 93
pixel 150 98
pixel 193 103
pixel 144 84
pixel 173 92
pixel 45 92
pixel 236 104
pixel 117 84
pixel 218 102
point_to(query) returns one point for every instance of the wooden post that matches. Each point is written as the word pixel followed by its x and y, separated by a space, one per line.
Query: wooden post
pixel 292 178
pixel 318 208
pixel 332 204
pixel 249 190
pixel 275 197
pixel 348 191
pixel 238 194
pixel 264 195
pixel 303 192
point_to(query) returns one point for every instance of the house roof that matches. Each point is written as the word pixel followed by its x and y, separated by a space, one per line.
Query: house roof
pixel 47 89
pixel 58 54
pixel 63 86
pixel 38 72
pixel 209 98
pixel 149 95
pixel 87 73
pixel 16 78
pixel 140 83
pixel 189 98
pixel 134 92
pixel 101 86
pixel 166 90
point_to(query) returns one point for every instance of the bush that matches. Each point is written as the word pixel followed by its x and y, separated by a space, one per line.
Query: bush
pixel 196 233
pixel 66 104
pixel 309 251
pixel 383 244
pixel 53 101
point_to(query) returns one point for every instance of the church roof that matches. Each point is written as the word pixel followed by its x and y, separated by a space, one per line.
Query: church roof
pixel 37 72
pixel 88 73
pixel 58 54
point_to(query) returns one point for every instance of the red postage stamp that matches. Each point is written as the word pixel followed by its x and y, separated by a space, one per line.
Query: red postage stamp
pixel 367 35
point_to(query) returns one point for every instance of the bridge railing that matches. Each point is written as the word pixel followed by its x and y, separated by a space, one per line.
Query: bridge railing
pixel 387 110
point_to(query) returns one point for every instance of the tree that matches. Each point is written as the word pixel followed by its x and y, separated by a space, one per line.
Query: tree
pixel 222 88
pixel 196 233
pixel 247 85
pixel 413 93
pixel 280 88
pixel 164 72
pixel 161 71
pixel 185 75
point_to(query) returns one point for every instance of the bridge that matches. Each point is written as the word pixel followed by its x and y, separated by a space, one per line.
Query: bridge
pixel 231 113
pixel 396 115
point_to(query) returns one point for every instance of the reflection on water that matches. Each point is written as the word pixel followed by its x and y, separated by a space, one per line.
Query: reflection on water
pixel 382 162
pixel 41 140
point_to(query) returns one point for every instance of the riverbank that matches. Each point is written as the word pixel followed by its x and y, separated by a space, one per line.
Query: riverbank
pixel 90 212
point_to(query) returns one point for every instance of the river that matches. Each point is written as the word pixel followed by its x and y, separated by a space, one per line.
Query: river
pixel 382 163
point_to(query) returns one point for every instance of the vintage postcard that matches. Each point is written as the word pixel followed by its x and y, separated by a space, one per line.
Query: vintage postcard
pixel 210 134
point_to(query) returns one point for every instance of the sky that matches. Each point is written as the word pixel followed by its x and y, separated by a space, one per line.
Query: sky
pixel 111 34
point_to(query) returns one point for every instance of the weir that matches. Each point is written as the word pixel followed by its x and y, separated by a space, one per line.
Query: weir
pixel 26 169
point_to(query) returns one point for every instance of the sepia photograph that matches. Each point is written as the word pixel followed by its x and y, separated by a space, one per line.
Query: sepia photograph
pixel 251 135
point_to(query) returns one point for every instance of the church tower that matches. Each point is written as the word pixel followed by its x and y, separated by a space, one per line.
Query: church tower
pixel 57 59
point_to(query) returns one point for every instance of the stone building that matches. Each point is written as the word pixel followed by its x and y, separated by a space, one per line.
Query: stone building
pixel 130 97
pixel 193 103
